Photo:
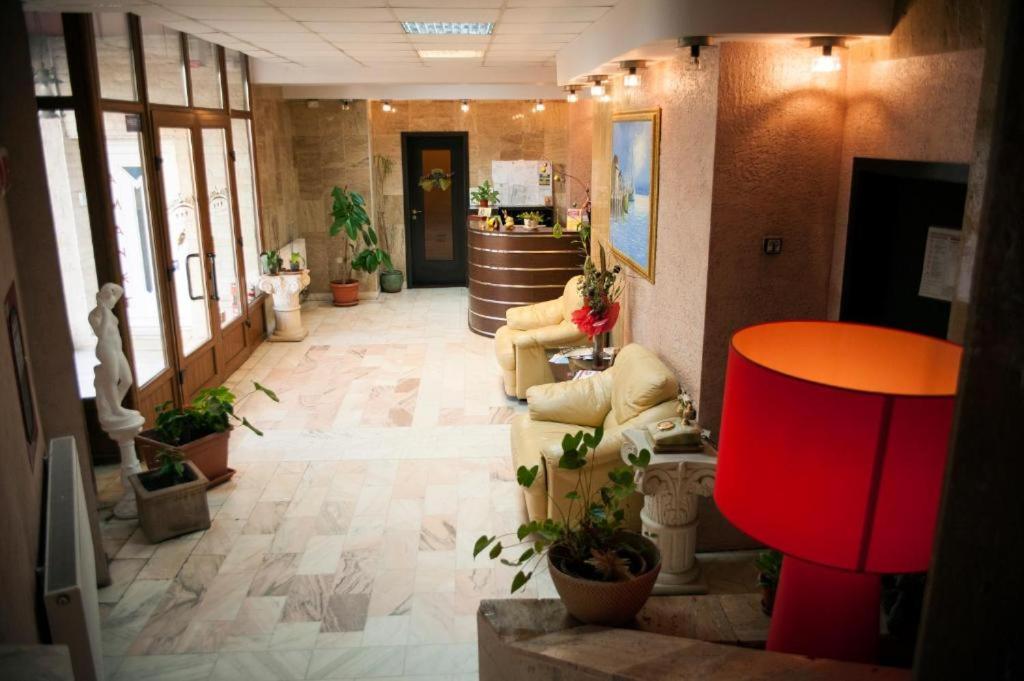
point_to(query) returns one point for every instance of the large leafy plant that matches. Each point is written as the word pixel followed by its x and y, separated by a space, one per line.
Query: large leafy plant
pixel 362 248
pixel 212 411
pixel 590 540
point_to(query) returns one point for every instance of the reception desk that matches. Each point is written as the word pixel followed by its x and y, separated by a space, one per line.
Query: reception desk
pixel 507 269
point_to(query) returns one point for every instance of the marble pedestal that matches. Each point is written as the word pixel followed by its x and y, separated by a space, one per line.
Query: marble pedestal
pixel 124 435
pixel 285 289
pixel 671 485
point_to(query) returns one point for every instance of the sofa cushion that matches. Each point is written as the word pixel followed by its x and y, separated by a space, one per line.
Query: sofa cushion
pixel 585 402
pixel 640 381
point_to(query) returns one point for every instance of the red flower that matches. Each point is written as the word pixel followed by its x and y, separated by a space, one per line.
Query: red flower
pixel 587 322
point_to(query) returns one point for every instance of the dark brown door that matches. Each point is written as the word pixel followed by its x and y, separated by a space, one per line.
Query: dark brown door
pixel 436 210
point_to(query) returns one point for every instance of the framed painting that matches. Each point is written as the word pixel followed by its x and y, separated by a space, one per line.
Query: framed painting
pixel 21 375
pixel 633 215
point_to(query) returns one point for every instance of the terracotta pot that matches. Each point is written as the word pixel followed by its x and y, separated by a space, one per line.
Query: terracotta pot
pixel 172 511
pixel 607 603
pixel 483 203
pixel 346 293
pixel 210 454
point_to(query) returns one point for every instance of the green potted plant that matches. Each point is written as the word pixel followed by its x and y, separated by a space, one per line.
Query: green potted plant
pixel 200 431
pixel 391 279
pixel 171 498
pixel 531 219
pixel 296 261
pixel 484 194
pixel 769 566
pixel 603 572
pixel 362 251
pixel 272 262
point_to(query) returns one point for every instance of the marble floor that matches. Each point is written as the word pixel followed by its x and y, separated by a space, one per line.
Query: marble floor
pixel 342 548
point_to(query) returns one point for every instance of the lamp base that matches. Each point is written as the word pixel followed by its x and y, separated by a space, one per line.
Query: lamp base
pixel 826 612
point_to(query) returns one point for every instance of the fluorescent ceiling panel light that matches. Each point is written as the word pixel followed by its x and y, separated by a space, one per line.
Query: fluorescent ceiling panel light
pixel 447 28
pixel 451 54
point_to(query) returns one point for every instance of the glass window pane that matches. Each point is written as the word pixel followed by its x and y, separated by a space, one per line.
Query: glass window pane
pixel 49 57
pixel 165 72
pixel 438 239
pixel 204 67
pixel 245 180
pixel 222 224
pixel 140 275
pixel 238 94
pixel 74 238
pixel 114 56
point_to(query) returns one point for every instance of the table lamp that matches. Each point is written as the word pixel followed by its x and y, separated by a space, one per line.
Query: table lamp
pixel 832 450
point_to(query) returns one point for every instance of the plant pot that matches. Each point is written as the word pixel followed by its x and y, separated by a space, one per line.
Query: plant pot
pixel 483 203
pixel 529 224
pixel 346 293
pixel 171 511
pixel 294 268
pixel 607 603
pixel 208 453
pixel 391 281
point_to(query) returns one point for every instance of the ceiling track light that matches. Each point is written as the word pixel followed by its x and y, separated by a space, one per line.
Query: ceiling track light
pixel 346 104
pixel 828 60
pixel 597 87
pixel 538 106
pixel 632 78
pixel 386 107
pixel 464 105
pixel 694 43
pixel 570 94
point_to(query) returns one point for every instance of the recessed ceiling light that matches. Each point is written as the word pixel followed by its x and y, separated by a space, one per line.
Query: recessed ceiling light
pixel 447 28
pixel 451 54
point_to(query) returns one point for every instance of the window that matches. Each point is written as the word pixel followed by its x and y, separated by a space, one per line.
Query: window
pixel 165 72
pixel 114 57
pixel 222 224
pixel 140 276
pixel 238 93
pixel 74 237
pixel 49 57
pixel 204 68
pixel 245 180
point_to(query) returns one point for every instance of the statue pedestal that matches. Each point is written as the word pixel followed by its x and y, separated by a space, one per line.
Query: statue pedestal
pixel 123 433
pixel 285 289
pixel 671 484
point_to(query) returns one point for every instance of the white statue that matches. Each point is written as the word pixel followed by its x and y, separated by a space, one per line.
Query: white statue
pixel 113 378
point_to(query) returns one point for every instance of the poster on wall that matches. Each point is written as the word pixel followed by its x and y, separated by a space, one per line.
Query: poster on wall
pixel 21 375
pixel 941 262
pixel 633 214
pixel 522 183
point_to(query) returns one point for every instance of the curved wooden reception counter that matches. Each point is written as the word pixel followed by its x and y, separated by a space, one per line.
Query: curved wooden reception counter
pixel 507 269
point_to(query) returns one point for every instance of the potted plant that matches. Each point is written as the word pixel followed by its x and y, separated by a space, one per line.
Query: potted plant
pixel 436 179
pixel 769 565
pixel 362 251
pixel 272 262
pixel 603 572
pixel 531 219
pixel 296 261
pixel 484 194
pixel 390 278
pixel 200 431
pixel 171 498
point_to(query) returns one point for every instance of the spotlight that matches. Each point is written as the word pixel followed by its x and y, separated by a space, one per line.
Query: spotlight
pixel 386 107
pixel 571 95
pixel 632 78
pixel 597 88
pixel 827 61
pixel 346 104
pixel 539 106
pixel 693 43
pixel 464 106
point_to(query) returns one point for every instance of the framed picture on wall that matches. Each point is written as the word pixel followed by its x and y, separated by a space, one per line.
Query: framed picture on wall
pixel 21 376
pixel 633 215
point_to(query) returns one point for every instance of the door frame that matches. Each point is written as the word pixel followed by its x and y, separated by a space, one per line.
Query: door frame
pixel 459 184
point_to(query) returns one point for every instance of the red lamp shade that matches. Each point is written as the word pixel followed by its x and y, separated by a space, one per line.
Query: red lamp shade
pixel 833 443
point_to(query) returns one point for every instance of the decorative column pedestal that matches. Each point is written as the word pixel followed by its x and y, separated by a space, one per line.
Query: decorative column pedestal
pixel 124 436
pixel 285 289
pixel 671 484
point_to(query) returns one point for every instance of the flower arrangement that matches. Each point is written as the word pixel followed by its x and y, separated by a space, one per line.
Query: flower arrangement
pixel 600 289
pixel 436 179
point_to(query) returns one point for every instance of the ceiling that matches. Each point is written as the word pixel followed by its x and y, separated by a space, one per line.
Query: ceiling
pixel 362 41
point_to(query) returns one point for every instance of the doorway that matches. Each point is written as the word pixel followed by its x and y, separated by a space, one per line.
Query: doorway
pixel 435 168
pixel 896 208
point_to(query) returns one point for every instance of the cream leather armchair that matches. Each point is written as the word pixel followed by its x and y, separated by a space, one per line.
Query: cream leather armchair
pixel 521 345
pixel 637 390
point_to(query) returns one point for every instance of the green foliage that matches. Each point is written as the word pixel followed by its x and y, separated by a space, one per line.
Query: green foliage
pixel 271 261
pixel 172 465
pixel 531 215
pixel 589 539
pixel 485 192
pixel 769 565
pixel 363 251
pixel 212 411
pixel 295 258
pixel 436 179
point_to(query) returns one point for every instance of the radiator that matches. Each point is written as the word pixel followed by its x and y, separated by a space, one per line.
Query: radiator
pixel 69 586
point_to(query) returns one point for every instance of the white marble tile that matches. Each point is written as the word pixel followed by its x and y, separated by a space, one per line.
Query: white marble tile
pixel 277 665
pixel 188 667
pixel 458 658
pixel 366 661
pixel 322 555
pixel 386 631
pixel 129 616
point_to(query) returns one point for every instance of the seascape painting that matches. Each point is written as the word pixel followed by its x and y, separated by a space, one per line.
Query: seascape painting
pixel 633 216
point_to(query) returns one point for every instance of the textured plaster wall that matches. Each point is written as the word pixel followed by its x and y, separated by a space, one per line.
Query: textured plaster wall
pixel 779 138
pixel 278 179
pixel 668 316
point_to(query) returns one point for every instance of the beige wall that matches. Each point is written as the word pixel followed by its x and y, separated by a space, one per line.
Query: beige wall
pixel 278 179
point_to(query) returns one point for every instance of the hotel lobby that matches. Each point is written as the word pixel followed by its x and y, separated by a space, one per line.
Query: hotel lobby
pixel 563 339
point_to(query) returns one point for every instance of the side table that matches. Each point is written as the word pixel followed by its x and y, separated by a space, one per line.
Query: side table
pixel 285 289
pixel 671 484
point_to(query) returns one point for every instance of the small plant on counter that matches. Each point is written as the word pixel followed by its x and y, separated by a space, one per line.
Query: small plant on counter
pixel 531 219
pixel 272 262
pixel 296 261
pixel 484 194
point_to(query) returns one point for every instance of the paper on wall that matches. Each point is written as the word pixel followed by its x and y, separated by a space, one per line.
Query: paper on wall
pixel 941 263
pixel 522 183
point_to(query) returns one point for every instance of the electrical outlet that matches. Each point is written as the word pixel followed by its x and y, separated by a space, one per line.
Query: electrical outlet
pixel 772 245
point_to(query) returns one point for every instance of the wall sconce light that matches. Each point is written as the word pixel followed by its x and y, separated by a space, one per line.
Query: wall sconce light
pixel 539 106
pixel 632 78
pixel 694 43
pixel 571 95
pixel 597 88
pixel 827 61
pixel 464 106
pixel 386 107
pixel 346 104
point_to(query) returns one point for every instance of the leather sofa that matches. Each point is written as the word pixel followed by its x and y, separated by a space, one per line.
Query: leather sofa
pixel 637 390
pixel 531 330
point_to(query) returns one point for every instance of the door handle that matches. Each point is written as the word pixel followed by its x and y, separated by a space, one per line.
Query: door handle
pixel 213 274
pixel 415 213
pixel 188 275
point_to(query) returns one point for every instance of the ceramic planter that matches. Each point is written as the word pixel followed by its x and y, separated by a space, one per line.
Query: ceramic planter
pixel 166 512
pixel 346 294
pixel 391 281
pixel 483 203
pixel 209 454
pixel 607 603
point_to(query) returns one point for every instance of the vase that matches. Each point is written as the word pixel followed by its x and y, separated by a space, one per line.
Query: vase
pixel 391 281
pixel 599 360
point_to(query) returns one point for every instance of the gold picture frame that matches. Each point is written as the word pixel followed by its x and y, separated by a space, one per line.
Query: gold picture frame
pixel 633 215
